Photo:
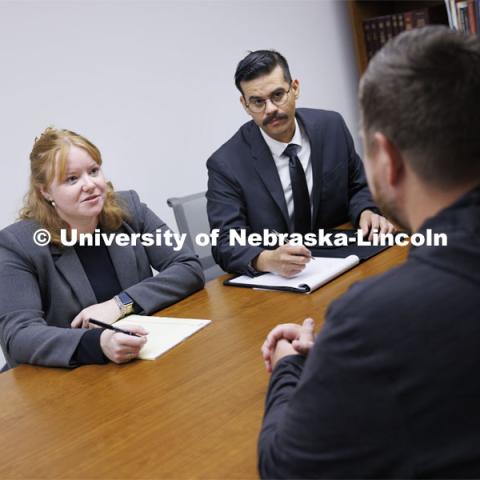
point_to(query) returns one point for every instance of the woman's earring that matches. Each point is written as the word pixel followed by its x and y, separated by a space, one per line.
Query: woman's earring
pixel 52 203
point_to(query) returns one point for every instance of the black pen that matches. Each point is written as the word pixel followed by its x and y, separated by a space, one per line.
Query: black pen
pixel 111 327
pixel 278 235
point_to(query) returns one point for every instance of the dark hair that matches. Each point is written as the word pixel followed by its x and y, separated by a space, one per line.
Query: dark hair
pixel 422 91
pixel 258 63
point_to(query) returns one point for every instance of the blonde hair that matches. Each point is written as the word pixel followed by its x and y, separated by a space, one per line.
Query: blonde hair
pixel 48 160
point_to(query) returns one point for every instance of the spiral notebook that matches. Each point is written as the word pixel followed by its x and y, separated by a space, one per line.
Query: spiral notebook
pixel 317 272
pixel 164 333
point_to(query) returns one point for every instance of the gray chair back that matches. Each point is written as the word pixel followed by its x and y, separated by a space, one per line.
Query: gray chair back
pixel 2 361
pixel 191 217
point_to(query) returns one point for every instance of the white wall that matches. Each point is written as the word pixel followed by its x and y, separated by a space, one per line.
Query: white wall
pixel 151 82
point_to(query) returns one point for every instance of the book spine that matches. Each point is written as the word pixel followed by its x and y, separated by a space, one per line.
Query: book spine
pixel 472 16
pixel 388 27
pixel 408 20
pixel 401 23
pixel 449 13
pixel 477 13
pixel 453 11
pixel 394 25
pixel 368 38
pixel 374 31
pixel 381 32
pixel 461 16
pixel 465 21
pixel 420 18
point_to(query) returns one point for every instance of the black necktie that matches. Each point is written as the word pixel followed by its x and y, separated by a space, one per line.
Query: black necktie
pixel 301 197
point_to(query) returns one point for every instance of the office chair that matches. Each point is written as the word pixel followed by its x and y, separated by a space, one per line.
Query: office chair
pixel 2 361
pixel 191 217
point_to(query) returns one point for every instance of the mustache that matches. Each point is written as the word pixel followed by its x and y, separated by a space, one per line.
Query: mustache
pixel 274 116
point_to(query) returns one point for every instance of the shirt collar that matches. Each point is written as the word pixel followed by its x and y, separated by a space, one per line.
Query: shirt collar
pixel 277 148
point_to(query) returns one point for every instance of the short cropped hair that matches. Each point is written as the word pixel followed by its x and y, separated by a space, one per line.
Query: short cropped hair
pixel 259 63
pixel 422 91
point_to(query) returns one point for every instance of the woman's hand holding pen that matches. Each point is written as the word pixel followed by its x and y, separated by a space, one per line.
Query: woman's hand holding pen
pixel 107 312
pixel 120 347
pixel 286 260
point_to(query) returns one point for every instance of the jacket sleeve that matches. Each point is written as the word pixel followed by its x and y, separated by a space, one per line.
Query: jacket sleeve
pixel 227 211
pixel 24 334
pixel 359 195
pixel 179 272
pixel 334 417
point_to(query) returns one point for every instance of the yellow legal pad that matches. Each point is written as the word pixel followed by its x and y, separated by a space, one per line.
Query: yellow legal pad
pixel 164 333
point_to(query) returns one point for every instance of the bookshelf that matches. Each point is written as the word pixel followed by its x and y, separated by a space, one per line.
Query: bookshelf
pixel 361 10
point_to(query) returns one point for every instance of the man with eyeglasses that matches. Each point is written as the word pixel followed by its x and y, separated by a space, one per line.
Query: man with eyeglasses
pixel 288 170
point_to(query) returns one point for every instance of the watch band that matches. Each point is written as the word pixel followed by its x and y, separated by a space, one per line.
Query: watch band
pixel 125 303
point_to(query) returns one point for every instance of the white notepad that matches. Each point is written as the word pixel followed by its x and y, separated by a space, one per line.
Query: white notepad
pixel 164 333
pixel 316 273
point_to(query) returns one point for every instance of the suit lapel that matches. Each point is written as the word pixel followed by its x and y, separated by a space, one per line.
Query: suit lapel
pixel 316 144
pixel 68 264
pixel 265 166
pixel 124 262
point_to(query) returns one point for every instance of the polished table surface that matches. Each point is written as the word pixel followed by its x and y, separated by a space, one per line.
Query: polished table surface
pixel 193 413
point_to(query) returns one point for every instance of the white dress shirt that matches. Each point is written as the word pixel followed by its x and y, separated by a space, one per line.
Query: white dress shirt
pixel 281 161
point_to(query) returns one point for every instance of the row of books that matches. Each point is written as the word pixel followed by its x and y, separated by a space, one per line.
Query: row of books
pixel 379 30
pixel 464 15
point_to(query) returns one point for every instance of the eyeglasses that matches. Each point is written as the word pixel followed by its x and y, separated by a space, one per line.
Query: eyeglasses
pixel 278 97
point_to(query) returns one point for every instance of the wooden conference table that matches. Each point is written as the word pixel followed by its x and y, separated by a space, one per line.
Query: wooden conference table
pixel 193 413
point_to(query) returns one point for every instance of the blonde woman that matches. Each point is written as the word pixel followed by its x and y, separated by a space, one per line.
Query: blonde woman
pixel 48 293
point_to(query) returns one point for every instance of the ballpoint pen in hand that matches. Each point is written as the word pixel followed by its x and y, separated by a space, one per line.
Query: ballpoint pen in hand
pixel 111 327
pixel 278 234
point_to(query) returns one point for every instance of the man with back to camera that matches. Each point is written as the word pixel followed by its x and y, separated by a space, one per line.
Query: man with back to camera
pixel 389 388
pixel 288 170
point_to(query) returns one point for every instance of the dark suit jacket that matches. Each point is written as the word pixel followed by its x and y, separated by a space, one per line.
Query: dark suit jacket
pixel 391 387
pixel 244 188
pixel 42 289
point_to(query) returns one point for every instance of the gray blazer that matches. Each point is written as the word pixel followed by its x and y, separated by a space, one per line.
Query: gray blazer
pixel 43 288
